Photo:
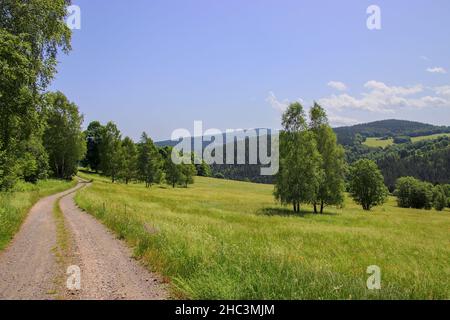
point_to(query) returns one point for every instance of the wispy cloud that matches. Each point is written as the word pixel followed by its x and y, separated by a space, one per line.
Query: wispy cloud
pixel 276 104
pixel 425 58
pixel 381 98
pixel 337 85
pixel 337 121
pixel 437 70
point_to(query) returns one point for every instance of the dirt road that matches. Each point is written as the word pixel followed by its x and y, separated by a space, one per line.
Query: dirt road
pixel 29 268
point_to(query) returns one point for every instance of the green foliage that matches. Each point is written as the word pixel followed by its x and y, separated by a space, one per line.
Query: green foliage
pixel 404 191
pixel 387 129
pixel 111 156
pixel 402 139
pixel 93 136
pixel 332 186
pixel 188 171
pixel 413 193
pixel 34 162
pixel 366 184
pixel 171 169
pixel 41 24
pixel 219 175
pixel 425 160
pixel 128 170
pixel 204 169
pixel 439 198
pixel 63 138
pixel 149 162
pixel 31 34
pixel 300 172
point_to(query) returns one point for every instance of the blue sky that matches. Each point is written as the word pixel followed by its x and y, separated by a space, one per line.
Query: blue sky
pixel 159 65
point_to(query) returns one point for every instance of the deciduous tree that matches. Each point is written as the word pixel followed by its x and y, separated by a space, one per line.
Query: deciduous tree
pixel 63 138
pixel 367 184
pixel 111 160
pixel 331 188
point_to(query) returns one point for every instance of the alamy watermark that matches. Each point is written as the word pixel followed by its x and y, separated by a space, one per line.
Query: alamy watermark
pixel 209 146
pixel 373 22
pixel 73 19
pixel 374 280
pixel 74 280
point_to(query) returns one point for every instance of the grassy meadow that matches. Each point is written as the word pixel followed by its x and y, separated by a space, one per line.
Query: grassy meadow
pixel 383 143
pixel 379 143
pixel 222 239
pixel 430 137
pixel 15 205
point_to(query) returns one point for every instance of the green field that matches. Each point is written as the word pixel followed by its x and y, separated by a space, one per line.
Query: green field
pixel 15 205
pixel 229 240
pixel 377 142
pixel 430 137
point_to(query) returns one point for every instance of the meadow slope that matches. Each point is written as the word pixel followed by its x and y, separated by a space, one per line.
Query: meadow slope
pixel 223 239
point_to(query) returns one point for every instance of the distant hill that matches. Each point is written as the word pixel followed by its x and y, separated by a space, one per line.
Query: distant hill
pixel 240 135
pixel 381 129
pixel 387 129
pixel 428 160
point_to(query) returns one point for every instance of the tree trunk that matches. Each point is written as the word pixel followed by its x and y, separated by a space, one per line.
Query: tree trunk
pixel 315 208
pixel 321 206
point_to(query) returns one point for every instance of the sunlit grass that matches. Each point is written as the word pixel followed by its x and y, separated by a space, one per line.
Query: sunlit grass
pixel 15 205
pixel 377 142
pixel 383 143
pixel 430 137
pixel 223 239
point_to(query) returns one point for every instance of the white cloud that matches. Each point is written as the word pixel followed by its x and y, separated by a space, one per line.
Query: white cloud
pixel 443 91
pixel 337 85
pixel 337 121
pixel 276 104
pixel 382 98
pixel 280 105
pixel 425 58
pixel 437 70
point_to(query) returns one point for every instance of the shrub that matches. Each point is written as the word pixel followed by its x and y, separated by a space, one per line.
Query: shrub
pixel 402 139
pixel 439 198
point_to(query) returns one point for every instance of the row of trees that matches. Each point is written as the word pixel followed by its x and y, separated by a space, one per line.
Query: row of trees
pixel 40 133
pixel 413 193
pixel 124 160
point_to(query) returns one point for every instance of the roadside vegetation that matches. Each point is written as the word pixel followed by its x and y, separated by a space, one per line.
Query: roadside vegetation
pixel 224 239
pixel 15 205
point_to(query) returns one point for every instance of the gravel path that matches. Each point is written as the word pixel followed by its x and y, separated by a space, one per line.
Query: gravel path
pixel 28 267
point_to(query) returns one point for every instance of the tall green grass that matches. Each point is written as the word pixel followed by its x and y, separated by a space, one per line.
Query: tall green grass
pixel 15 205
pixel 221 239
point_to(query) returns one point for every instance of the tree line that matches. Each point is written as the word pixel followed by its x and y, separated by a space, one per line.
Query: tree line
pixel 31 35
pixel 426 160
pixel 126 161
pixel 41 132
pixel 413 193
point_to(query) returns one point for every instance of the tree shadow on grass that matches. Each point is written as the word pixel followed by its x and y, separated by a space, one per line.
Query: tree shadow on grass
pixel 285 212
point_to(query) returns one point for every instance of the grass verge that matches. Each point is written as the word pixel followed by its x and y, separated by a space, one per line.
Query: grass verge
pixel 15 205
